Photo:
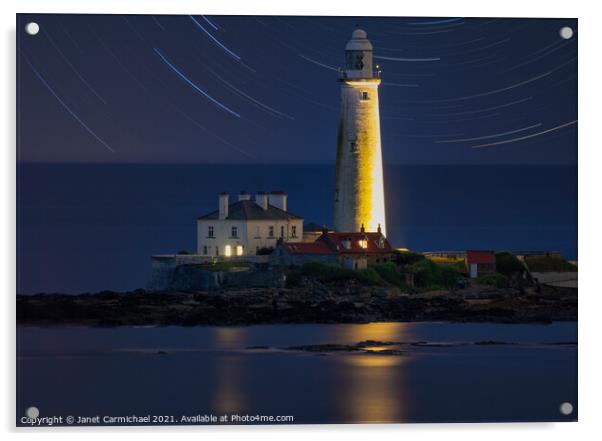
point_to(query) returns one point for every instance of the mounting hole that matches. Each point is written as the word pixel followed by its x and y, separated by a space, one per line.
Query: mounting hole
pixel 566 32
pixel 566 408
pixel 32 28
pixel 32 412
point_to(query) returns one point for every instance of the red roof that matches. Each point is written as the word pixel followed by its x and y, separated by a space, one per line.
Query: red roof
pixel 482 257
pixel 357 242
pixel 307 248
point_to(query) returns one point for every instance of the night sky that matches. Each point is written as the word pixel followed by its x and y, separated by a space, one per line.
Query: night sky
pixel 244 89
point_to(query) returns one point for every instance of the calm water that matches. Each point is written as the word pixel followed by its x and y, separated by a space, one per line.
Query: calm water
pixel 93 227
pixel 117 371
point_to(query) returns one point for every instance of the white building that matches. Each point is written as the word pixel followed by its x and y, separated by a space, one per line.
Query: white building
pixel 359 194
pixel 247 226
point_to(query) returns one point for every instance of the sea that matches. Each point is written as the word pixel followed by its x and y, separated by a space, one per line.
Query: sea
pixel 87 228
pixel 247 372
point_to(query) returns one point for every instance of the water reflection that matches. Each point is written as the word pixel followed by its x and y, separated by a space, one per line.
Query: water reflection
pixel 229 395
pixel 225 337
pixel 371 387
pixel 372 331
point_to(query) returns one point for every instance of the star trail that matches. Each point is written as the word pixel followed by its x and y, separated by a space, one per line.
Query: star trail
pixel 448 85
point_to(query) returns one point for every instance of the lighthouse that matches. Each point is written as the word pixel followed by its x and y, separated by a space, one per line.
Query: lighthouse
pixel 359 199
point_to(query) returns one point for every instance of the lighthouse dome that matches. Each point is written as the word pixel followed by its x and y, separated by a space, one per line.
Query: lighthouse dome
pixel 359 33
pixel 359 41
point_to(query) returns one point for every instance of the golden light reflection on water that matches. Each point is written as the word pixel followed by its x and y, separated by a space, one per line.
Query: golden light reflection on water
pixel 373 331
pixel 371 387
pixel 229 393
pixel 229 337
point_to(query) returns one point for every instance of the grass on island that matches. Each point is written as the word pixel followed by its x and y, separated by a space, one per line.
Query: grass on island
pixel 427 274
pixel 406 257
pixel 329 273
pixel 508 264
pixel 549 264
pixel 497 280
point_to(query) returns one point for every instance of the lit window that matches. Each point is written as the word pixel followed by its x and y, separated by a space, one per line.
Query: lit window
pixel 239 250
pixel 293 231
pixel 365 96
pixel 271 231
pixel 210 231
pixel 228 251
pixel 234 231
pixel 363 243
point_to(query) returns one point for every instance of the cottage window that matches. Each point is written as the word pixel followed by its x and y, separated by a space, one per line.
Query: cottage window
pixel 210 231
pixel 257 232
pixel 239 250
pixel 293 231
pixel 363 243
pixel 282 231
pixel 234 231
pixel 228 251
pixel 205 250
pixel 271 231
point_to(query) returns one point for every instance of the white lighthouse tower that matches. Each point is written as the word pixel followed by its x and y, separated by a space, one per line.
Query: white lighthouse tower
pixel 359 198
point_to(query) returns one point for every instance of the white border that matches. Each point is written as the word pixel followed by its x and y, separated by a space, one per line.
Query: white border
pixel 590 186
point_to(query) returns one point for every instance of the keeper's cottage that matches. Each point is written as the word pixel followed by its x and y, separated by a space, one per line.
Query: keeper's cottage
pixel 247 226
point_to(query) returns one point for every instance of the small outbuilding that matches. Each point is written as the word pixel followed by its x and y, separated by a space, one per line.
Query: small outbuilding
pixel 480 263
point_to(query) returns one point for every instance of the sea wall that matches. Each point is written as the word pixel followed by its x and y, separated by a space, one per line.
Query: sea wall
pixel 169 273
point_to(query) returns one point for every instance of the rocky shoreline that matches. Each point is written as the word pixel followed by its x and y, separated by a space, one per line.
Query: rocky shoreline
pixel 344 303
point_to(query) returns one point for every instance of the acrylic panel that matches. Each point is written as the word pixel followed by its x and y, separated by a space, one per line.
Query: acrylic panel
pixel 295 220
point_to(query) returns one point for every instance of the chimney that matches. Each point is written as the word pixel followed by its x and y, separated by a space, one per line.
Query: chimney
pixel 278 199
pixel 223 205
pixel 244 196
pixel 261 199
pixel 362 229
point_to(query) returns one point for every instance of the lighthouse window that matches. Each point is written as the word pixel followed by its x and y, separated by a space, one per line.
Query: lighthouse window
pixel 365 96
pixel 353 147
